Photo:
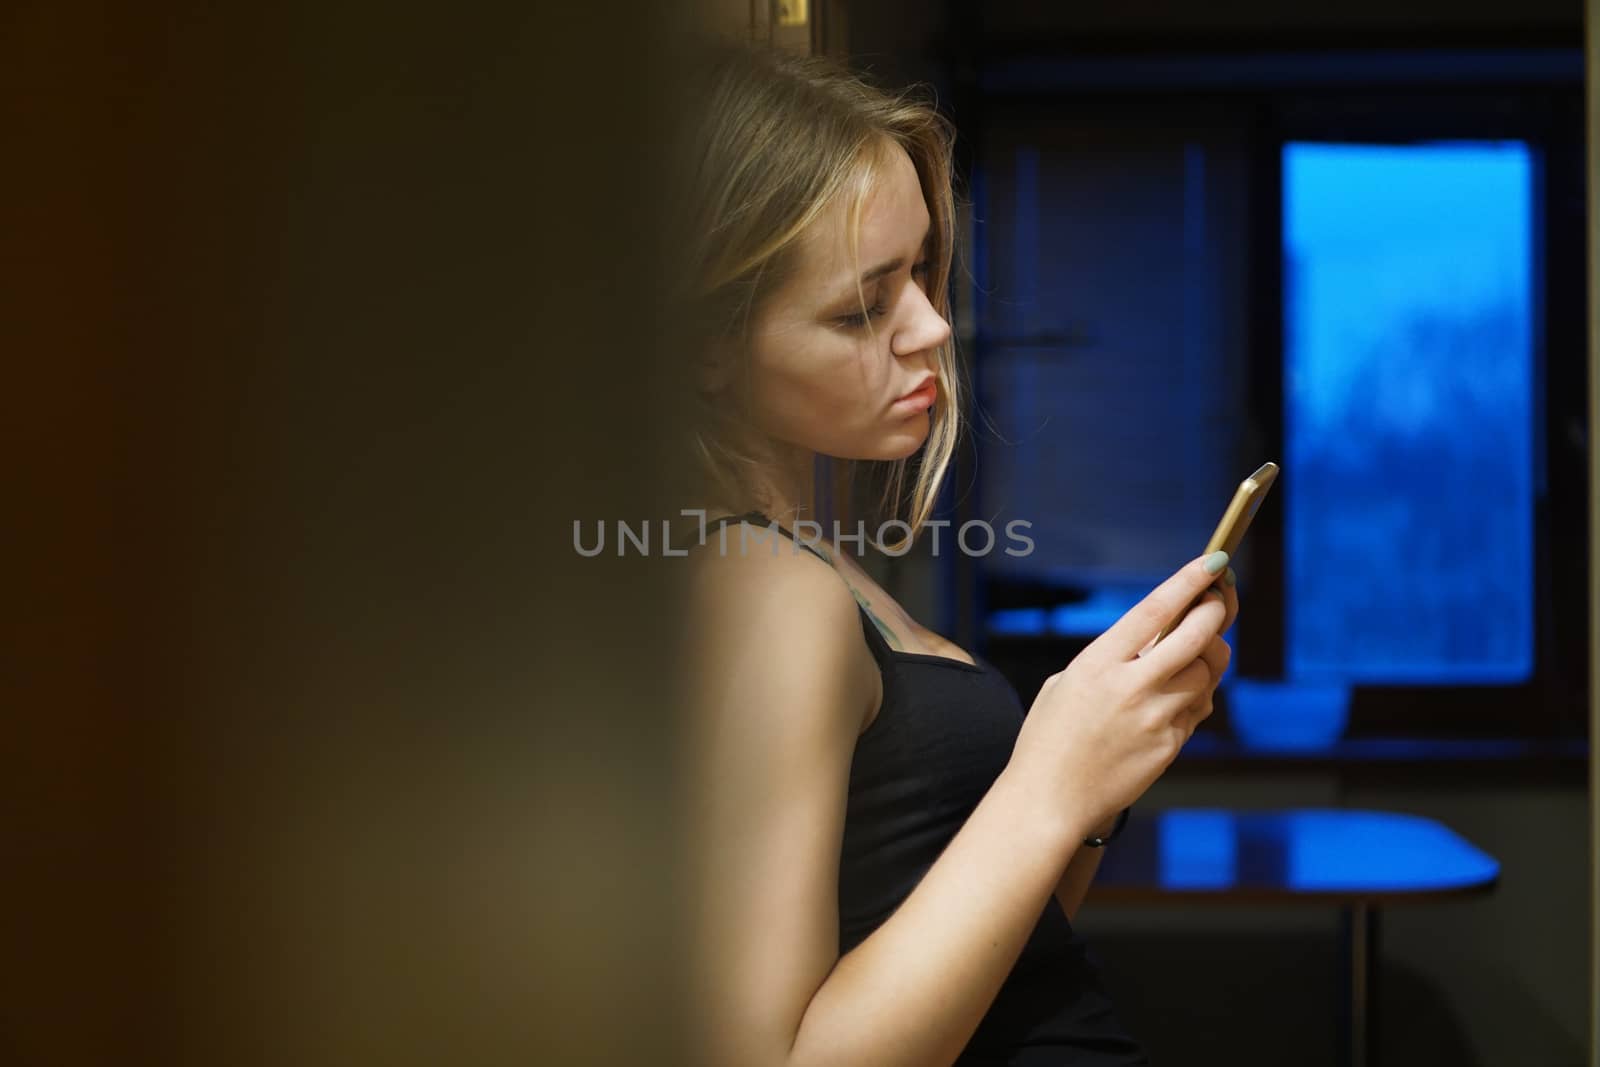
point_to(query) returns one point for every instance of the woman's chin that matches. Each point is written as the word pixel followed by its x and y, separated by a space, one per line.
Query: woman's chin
pixel 905 441
pixel 897 442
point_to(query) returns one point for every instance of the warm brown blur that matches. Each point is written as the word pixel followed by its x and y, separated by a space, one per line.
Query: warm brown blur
pixel 325 324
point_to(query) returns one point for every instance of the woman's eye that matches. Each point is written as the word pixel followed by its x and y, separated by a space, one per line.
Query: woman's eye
pixel 860 320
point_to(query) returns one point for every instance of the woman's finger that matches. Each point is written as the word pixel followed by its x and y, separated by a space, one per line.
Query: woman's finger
pixel 1217 656
pixel 1188 686
pixel 1173 710
pixel 1141 623
pixel 1185 722
pixel 1230 595
pixel 1196 714
pixel 1186 643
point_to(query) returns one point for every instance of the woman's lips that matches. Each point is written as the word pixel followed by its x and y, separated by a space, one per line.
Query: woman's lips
pixel 919 400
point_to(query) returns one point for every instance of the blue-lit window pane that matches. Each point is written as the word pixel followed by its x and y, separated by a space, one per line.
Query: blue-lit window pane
pixel 1408 382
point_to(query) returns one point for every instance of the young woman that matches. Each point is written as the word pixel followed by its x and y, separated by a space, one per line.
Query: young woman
pixel 887 847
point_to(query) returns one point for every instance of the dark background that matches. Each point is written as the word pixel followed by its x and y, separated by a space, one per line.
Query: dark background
pixel 1497 980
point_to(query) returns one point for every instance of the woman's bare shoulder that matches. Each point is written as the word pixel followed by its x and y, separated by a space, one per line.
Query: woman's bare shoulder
pixel 779 609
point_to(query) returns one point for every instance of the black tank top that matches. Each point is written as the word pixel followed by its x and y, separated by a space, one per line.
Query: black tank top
pixel 943 734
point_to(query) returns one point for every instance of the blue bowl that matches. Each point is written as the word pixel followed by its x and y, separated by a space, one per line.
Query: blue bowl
pixel 1298 715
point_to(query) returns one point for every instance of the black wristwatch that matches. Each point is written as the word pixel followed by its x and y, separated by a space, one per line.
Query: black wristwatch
pixel 1099 842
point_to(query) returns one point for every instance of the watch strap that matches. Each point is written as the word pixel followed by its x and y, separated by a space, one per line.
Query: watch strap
pixel 1100 842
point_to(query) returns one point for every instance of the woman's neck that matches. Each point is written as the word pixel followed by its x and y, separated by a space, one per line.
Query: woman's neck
pixel 784 493
pixel 787 492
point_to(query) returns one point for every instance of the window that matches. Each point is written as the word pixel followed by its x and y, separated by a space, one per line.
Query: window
pixel 1408 412
pixel 1380 288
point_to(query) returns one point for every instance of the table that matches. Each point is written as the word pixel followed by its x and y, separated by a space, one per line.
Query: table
pixel 1358 861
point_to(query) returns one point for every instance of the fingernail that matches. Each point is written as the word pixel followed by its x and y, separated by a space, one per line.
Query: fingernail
pixel 1230 577
pixel 1216 561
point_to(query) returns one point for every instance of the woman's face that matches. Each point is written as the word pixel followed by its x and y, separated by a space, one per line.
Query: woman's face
pixel 819 380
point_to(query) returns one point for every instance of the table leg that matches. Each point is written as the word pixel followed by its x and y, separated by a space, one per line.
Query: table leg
pixel 1360 965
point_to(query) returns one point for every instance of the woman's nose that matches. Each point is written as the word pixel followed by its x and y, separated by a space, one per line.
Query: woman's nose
pixel 924 327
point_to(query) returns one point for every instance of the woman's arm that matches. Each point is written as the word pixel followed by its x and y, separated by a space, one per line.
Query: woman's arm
pixel 1085 862
pixel 914 992
pixel 788 683
pixel 1074 884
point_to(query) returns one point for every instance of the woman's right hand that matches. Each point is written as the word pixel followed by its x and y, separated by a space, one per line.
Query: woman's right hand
pixel 1104 729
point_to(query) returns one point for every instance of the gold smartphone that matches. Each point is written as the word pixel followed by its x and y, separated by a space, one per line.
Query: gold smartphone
pixel 1235 521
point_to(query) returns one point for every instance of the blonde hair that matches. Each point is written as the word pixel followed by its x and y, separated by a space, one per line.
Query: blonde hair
pixel 773 139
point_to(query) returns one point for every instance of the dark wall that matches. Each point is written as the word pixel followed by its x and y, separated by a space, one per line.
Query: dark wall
pixel 1158 17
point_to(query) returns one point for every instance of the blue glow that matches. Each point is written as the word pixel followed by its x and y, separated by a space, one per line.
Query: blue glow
pixel 1309 850
pixel 1287 715
pixel 1019 622
pixel 1089 617
pixel 1335 851
pixel 1199 849
pixel 1408 391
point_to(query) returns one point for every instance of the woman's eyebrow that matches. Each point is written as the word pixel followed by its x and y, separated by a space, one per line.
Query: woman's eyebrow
pixel 881 269
pixel 890 266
